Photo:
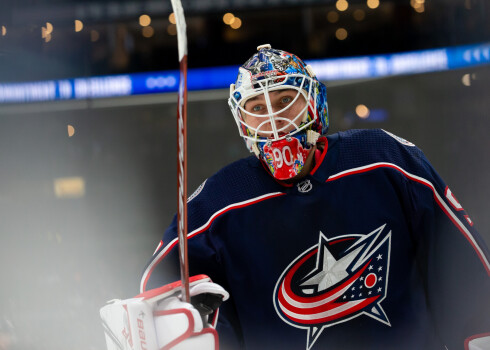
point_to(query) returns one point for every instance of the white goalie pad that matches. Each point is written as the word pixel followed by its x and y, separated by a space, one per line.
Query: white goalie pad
pixel 158 319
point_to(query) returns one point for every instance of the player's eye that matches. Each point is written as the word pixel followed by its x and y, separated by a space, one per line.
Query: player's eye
pixel 257 108
pixel 286 99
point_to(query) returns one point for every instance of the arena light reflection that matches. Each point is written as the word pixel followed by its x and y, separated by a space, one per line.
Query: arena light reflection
pixel 220 77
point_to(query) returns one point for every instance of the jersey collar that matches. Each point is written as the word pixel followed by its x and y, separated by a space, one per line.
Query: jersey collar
pixel 324 162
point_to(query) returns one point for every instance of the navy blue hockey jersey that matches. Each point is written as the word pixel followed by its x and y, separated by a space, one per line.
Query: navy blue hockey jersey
pixel 370 251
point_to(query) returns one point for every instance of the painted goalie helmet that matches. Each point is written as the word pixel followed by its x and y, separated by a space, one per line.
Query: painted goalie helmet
pixel 280 109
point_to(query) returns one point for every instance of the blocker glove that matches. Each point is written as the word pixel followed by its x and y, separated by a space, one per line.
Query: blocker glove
pixel 159 319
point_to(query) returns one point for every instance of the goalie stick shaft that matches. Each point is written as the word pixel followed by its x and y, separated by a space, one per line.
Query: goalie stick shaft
pixel 182 149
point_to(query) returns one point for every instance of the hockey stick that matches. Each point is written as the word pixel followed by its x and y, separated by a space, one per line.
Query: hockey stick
pixel 182 149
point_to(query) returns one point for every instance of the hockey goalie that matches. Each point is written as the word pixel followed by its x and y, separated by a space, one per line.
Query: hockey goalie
pixel 348 240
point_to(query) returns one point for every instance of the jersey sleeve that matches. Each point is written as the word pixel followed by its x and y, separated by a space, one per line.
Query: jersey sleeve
pixel 450 254
pixel 243 181
pixel 453 259
pixel 164 265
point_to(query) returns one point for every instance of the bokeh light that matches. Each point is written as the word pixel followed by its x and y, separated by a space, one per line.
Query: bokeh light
pixel 372 4
pixel 148 31
pixel 237 23
pixel 49 28
pixel 94 35
pixel 341 34
pixel 71 130
pixel 228 18
pixel 172 29
pixel 145 20
pixel 362 111
pixel 332 16
pixel 171 18
pixel 342 5
pixel 78 25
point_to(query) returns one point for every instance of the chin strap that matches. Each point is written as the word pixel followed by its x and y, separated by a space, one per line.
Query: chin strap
pixel 255 149
pixel 311 137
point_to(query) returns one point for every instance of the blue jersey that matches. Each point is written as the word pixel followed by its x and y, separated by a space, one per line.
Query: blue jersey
pixel 371 250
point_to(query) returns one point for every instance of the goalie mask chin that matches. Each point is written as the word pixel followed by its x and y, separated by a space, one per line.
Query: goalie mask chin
pixel 285 158
pixel 280 109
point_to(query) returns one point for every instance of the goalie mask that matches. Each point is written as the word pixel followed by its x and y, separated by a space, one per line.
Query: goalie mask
pixel 280 109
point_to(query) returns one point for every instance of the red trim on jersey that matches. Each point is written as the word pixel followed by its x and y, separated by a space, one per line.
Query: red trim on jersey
pixel 201 229
pixel 476 336
pixel 363 170
pixel 154 264
pixel 158 247
pixel 319 160
pixel 464 234
pixel 470 222
pixel 436 196
pixel 451 197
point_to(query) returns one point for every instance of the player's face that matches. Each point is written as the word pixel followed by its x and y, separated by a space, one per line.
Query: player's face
pixel 291 115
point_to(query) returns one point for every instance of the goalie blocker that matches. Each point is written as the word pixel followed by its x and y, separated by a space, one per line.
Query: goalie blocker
pixel 159 319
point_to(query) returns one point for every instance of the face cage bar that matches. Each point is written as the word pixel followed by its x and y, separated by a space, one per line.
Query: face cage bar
pixel 237 109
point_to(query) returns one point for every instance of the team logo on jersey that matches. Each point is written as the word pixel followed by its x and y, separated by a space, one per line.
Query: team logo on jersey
pixel 335 281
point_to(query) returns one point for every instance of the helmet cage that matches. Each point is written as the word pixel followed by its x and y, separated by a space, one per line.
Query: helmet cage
pixel 305 87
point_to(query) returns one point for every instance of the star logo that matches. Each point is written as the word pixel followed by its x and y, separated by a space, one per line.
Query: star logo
pixel 334 281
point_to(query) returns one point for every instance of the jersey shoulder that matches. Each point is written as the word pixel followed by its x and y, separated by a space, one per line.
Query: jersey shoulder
pixel 363 147
pixel 241 181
